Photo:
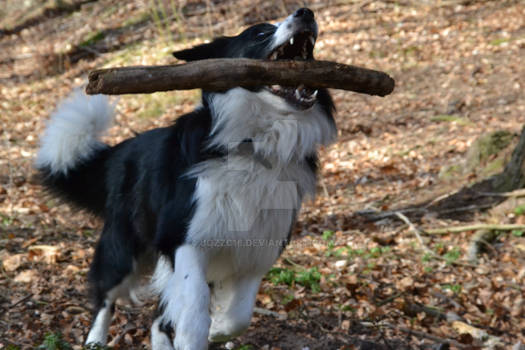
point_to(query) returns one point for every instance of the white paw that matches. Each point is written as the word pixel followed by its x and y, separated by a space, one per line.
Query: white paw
pixel 159 339
pixel 225 326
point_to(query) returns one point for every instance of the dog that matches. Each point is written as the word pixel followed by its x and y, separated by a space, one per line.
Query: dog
pixel 207 204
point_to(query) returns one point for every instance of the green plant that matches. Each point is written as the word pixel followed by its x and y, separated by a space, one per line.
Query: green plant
pixel 426 257
pixel 517 233
pixel 92 38
pixel 376 252
pixel 245 347
pixel 12 347
pixel 287 299
pixel 452 255
pixel 159 15
pixel 327 235
pixel 54 341
pixel 278 275
pixel 309 278
pixel 519 210
pixel 455 288
pixel 351 253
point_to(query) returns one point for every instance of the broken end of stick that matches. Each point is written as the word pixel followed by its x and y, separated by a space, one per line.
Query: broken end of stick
pixel 93 87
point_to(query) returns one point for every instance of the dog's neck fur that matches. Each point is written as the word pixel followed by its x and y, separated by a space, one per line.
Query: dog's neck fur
pixel 277 130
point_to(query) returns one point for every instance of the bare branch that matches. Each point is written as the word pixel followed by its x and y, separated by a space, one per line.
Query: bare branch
pixel 474 227
pixel 222 74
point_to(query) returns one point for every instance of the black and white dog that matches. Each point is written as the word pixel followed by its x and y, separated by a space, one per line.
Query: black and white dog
pixel 209 202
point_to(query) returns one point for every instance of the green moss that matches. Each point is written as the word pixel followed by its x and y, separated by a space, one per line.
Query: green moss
pixel 499 41
pixel 494 167
pixel 450 172
pixel 486 147
pixel 92 38
pixel 451 118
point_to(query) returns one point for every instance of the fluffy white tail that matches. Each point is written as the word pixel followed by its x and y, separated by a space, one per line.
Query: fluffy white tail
pixel 72 134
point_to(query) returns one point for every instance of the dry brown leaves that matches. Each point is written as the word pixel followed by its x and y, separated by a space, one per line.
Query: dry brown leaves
pixel 459 72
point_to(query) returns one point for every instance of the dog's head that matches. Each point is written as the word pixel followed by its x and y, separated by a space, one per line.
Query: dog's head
pixel 292 39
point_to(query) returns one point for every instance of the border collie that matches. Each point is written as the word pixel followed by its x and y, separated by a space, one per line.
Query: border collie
pixel 206 204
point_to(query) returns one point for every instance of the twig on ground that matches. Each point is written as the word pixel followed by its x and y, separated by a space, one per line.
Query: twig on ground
pixel 516 193
pixel 413 308
pixel 376 216
pixel 27 297
pixel 415 333
pixel 293 263
pixel 265 312
pixel 417 233
pixel 474 227
pixel 125 331
pixel 325 189
pixel 389 299
pixel 447 298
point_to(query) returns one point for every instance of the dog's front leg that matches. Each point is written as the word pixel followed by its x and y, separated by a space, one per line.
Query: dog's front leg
pixel 232 305
pixel 187 299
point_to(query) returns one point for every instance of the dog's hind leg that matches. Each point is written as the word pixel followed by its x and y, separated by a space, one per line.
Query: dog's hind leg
pixel 111 276
pixel 161 331
pixel 232 306
pixel 161 334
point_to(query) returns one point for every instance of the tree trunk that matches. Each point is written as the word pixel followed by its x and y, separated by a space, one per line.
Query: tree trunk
pixel 512 177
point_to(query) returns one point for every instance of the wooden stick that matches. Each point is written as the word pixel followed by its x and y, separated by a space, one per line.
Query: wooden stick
pixel 475 227
pixel 421 334
pixel 222 74
pixel 418 232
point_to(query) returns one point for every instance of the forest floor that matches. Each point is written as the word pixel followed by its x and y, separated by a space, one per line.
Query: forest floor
pixel 348 280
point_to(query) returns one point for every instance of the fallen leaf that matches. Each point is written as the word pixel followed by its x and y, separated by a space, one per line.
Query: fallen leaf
pixel 25 276
pixel 13 262
pixel 46 253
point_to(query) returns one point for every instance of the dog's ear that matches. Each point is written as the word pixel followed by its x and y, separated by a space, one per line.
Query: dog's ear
pixel 216 49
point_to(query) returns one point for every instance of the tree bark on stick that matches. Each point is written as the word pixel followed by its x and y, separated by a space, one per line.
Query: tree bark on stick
pixel 222 74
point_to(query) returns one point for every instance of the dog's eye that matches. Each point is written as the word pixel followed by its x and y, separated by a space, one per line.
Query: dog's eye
pixel 261 34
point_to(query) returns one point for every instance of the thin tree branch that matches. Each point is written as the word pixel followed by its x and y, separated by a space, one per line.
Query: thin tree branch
pixel 475 227
pixel 222 74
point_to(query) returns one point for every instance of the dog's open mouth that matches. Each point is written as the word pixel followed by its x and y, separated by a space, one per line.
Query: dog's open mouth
pixel 299 47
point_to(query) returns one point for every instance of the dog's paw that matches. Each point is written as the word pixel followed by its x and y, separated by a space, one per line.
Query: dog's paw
pixel 192 332
pixel 160 340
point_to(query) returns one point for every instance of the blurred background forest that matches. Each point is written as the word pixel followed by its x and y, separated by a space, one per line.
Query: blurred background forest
pixel 448 271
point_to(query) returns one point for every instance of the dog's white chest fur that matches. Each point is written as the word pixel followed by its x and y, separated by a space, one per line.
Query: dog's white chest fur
pixel 245 207
pixel 245 210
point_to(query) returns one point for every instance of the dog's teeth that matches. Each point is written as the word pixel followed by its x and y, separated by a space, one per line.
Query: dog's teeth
pixel 312 40
pixel 314 95
pixel 291 40
pixel 297 95
pixel 275 87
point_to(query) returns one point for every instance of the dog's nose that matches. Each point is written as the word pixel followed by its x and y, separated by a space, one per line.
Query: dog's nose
pixel 305 14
